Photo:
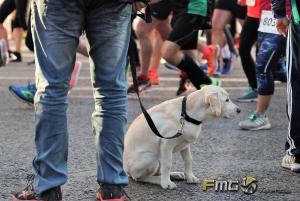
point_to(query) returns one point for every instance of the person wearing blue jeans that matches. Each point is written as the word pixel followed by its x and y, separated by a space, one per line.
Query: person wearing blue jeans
pixel 57 26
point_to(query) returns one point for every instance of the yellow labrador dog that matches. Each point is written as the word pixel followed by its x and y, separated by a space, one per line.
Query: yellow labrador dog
pixel 148 158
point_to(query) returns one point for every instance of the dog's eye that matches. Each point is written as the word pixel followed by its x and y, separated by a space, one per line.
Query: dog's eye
pixel 227 100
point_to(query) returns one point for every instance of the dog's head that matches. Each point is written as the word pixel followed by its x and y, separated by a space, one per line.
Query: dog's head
pixel 219 103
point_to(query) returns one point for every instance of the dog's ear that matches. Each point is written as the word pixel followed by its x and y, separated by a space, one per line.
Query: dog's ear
pixel 212 99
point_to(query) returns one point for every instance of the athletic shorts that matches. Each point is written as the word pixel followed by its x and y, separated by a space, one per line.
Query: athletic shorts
pixel 162 9
pixel 8 6
pixel 232 6
pixel 185 30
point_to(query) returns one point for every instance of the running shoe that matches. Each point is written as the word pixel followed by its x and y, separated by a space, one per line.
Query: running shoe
pixel 184 85
pixel 214 81
pixel 256 121
pixel 291 162
pixel 249 96
pixel 14 56
pixel 170 66
pixel 143 85
pixel 28 194
pixel 227 64
pixel 212 57
pixel 153 76
pixel 109 192
pixel 24 93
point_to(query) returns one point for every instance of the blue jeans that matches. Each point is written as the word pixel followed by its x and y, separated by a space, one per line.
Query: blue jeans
pixel 57 25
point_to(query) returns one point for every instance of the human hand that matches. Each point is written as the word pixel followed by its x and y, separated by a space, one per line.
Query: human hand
pixel 282 25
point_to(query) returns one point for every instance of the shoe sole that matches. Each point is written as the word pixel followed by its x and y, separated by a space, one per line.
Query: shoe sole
pixel 20 99
pixel 265 127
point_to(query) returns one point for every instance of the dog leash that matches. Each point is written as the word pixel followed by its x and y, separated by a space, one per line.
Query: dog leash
pixel 184 116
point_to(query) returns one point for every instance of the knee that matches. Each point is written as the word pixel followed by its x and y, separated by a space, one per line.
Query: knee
pixel 169 53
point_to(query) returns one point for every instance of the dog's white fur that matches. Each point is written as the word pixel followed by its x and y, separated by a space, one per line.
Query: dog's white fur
pixel 148 158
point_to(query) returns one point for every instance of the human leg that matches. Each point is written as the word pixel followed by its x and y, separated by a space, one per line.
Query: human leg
pixel 292 159
pixel 108 33
pixel 52 32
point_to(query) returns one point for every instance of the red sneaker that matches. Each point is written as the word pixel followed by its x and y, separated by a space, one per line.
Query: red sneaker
pixel 153 76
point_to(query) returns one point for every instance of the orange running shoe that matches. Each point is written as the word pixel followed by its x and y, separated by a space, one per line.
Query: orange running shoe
pixel 211 55
pixel 153 76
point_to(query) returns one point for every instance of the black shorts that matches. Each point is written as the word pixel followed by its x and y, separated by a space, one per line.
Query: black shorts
pixel 232 6
pixel 8 6
pixel 162 9
pixel 185 30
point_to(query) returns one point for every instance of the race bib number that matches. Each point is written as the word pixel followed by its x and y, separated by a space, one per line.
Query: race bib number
pixel 250 2
pixel 267 22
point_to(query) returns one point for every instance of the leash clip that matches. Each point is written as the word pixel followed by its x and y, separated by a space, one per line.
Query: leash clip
pixel 181 125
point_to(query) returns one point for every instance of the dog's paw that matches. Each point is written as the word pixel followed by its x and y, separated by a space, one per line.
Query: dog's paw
pixel 169 185
pixel 192 180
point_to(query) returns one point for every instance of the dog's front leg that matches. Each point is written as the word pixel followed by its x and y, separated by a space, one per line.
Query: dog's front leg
pixel 188 166
pixel 166 151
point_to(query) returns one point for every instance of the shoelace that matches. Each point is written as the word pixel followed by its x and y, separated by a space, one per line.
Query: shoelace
pixel 123 191
pixel 30 180
pixel 291 159
pixel 126 195
pixel 253 117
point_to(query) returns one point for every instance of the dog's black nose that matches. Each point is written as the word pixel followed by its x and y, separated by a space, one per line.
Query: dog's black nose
pixel 238 110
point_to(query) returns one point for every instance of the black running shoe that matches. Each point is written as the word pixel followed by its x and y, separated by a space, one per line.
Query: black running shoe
pixel 143 85
pixel 28 194
pixel 14 56
pixel 184 85
pixel 110 192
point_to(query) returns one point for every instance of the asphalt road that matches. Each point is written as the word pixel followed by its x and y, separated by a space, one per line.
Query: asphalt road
pixel 223 152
